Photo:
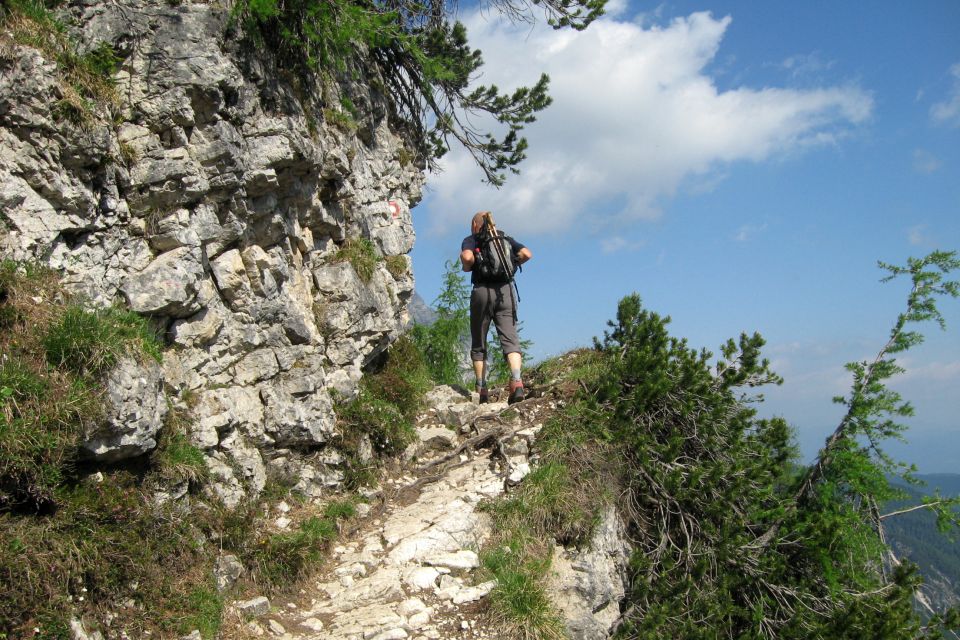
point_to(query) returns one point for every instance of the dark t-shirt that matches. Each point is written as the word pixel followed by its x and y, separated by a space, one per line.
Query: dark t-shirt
pixel 470 243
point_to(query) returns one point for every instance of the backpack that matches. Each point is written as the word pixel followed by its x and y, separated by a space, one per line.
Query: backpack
pixel 494 257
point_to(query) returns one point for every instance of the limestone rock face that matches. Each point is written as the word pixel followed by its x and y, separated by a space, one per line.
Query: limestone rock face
pixel 213 198
pixel 136 408
pixel 587 585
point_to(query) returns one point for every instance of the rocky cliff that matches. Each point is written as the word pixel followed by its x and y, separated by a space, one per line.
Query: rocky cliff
pixel 221 199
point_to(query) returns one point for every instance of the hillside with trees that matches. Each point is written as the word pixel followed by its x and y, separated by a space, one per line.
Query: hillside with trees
pixel 914 536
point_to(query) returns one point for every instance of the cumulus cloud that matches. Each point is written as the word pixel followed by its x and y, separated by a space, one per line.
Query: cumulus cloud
pixel 636 117
pixel 948 111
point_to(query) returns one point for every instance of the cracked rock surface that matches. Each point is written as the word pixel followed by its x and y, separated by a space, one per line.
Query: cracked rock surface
pixel 214 197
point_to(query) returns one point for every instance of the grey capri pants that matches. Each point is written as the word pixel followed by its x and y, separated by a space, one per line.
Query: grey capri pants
pixel 492 302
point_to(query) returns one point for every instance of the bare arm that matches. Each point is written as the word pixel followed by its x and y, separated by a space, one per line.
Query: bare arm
pixel 523 255
pixel 466 259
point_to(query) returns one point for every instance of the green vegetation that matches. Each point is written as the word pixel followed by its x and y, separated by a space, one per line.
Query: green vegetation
pixel 74 544
pixel 519 603
pixel 385 406
pixel 397 266
pixel 281 558
pixel 88 342
pixel 444 342
pixel 55 351
pixel 562 500
pixel 87 78
pixel 732 538
pixel 362 256
pixel 419 53
pixel 105 535
pixel 914 534
pixel 176 459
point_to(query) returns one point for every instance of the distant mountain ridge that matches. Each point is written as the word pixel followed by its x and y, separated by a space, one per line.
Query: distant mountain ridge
pixel 420 311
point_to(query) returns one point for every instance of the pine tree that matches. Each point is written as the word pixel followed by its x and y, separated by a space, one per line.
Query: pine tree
pixel 732 538
pixel 427 66
pixel 442 342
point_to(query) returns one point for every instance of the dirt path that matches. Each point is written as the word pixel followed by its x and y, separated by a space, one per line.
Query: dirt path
pixel 411 567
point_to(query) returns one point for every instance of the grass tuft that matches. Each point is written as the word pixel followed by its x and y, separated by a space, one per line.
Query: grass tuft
pixel 176 459
pixel 578 367
pixel 519 563
pixel 397 266
pixel 362 256
pixel 88 342
pixel 280 558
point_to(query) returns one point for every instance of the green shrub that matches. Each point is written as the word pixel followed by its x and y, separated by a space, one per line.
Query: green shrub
pixel 444 342
pixel 387 401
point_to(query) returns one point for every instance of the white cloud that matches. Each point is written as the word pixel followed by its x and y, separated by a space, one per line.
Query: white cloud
pixel 635 119
pixel 948 111
pixel 925 162
pixel 807 65
pixel 918 236
pixel 748 231
pixel 931 372
pixel 615 244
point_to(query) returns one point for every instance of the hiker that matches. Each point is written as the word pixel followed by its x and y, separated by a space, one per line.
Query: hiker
pixel 493 298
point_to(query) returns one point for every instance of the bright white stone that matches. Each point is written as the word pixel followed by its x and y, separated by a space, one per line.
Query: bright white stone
pixel 422 578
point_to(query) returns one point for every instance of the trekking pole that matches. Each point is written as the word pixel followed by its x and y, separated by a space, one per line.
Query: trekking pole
pixel 500 249
pixel 497 243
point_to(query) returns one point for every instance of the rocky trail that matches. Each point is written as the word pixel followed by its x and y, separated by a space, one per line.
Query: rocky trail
pixel 410 568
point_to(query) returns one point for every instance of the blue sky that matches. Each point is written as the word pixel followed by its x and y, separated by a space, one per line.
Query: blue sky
pixel 742 166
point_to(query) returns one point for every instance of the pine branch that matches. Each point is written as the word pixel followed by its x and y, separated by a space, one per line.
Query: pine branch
pixel 928 505
pixel 869 397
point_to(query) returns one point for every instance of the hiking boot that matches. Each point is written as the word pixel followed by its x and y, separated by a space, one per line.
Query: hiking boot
pixel 484 395
pixel 516 391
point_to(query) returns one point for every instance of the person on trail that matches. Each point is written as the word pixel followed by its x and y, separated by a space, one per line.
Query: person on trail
pixel 492 258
